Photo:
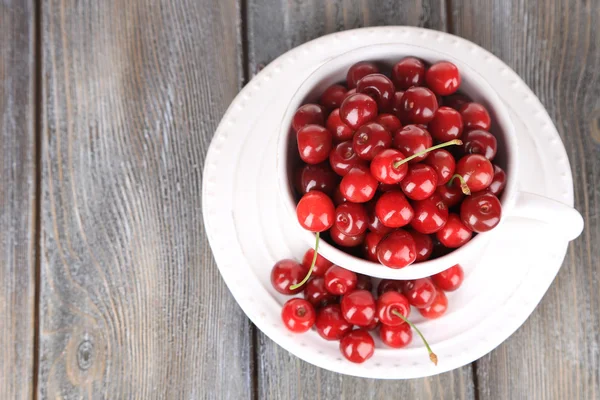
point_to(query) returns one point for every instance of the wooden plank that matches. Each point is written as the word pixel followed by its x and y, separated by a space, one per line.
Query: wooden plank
pixel 555 47
pixel 131 301
pixel 17 199
pixel 281 375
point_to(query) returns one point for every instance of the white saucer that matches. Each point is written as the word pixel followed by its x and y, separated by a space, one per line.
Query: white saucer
pixel 249 231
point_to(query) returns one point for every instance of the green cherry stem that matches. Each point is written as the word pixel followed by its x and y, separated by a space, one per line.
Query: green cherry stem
pixel 463 185
pixel 432 355
pixel 437 146
pixel 312 265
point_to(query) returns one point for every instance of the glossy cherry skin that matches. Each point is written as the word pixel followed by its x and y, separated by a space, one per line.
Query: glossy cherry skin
pixel 450 279
pixel 430 214
pixel 396 104
pixel 344 240
pixel 443 163
pixel 446 124
pixel 357 346
pixel 358 307
pixel 437 308
pixel 393 209
pixel 315 211
pixel 364 282
pixel 418 106
pixel 339 280
pixel 359 71
pixel 481 212
pixel 456 100
pixel 286 273
pixel 343 158
pixel 389 122
pixel 308 114
pixel 450 195
pixel 374 224
pixel 351 218
pixel 476 170
pixel 333 96
pixel 379 87
pixel 383 166
pixel 370 139
pixel 397 250
pixel 423 245
pixel 321 265
pixel 314 143
pixel 454 234
pixel 298 315
pixel 396 336
pixel 330 323
pixel 498 181
pixel 370 243
pixel 317 177
pixel 350 93
pixel 386 285
pixel 420 182
pixel 412 139
pixel 386 187
pixel 480 142
pixel 339 130
pixel 443 78
pixel 475 116
pixel 316 293
pixel 408 72
pixel 419 292
pixel 358 185
pixel 338 197
pixel 392 301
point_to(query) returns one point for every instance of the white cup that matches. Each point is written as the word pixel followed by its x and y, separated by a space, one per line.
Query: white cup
pixel 565 219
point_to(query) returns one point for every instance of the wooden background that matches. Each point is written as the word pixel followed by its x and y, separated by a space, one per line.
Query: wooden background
pixel 107 284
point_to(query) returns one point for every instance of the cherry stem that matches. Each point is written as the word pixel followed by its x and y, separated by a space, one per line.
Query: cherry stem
pixel 432 355
pixel 437 146
pixel 463 185
pixel 312 265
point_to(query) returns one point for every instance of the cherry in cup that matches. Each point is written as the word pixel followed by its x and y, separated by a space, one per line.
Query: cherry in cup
pixel 359 71
pixel 358 109
pixel 343 158
pixel 308 114
pixel 370 139
pixel 314 144
pixel 418 106
pixel 358 307
pixel 379 87
pixel 330 323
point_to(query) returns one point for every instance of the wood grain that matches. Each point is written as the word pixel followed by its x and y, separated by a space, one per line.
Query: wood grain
pixel 554 45
pixel 17 199
pixel 131 301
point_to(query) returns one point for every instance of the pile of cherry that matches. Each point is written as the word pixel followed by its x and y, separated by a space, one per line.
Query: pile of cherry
pixel 342 305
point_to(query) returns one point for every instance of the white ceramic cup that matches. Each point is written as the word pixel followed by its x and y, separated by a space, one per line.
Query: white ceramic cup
pixel 563 218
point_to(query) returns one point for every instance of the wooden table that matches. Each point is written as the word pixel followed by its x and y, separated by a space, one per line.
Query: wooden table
pixel 107 284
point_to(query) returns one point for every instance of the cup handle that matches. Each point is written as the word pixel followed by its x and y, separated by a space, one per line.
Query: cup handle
pixel 565 219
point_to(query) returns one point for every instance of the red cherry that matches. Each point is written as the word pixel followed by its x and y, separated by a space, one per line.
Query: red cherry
pixel 390 303
pixel 430 214
pixel 317 177
pixel 443 78
pixel 338 197
pixel 321 265
pixel 450 195
pixel 397 250
pixel 339 280
pixel 475 116
pixel 386 285
pixel 437 308
pixel 393 210
pixel 420 182
pixel 389 122
pixel 443 163
pixel 446 124
pixel 396 104
pixel 358 307
pixel 349 93
pixel 498 181
pixel 456 100
pixel 373 325
pixel 358 185
pixel 374 224
pixel 286 273
pixel 308 114
pixel 418 106
pixel 450 279
pixel 314 144
pixel 359 71
pixel 344 240
pixel 476 170
pixel 333 96
pixel 370 139
pixel 351 218
pixel 420 292
pixel 480 142
pixel 357 346
pixel 383 169
pixel 454 234
pixel 316 293
pixel 386 187
pixel 372 239
pixel 330 323
pixel 298 315
pixel 408 72
pixel 357 110
pixel 423 245
pixel 343 158
pixel 481 212
pixel 339 130
pixel 363 282
pixel 396 336
pixel 411 140
pixel 379 87
pixel 315 211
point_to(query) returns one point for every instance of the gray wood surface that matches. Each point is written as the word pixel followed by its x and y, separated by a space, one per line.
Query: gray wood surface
pixel 17 199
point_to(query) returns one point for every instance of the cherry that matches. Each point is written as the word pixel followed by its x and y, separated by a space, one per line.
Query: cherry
pixel 386 187
pixel 364 282
pixel 315 211
pixel 298 315
pixel 370 139
pixel 450 279
pixel 437 308
pixel 481 212
pixel 475 116
pixel 317 177
pixel 374 224
pixel 423 245
pixel 392 301
pixel 454 234
pixel 358 185
pixel 331 324
pixel 286 273
pixel 314 144
pixel 396 336
pixel 389 122
pixel 411 140
pixel 430 214
pixel 498 181
pixel 443 78
pixel 480 142
pixel 446 124
pixel 358 307
pixel 382 166
pixel 396 104
pixel 321 264
pixel 443 163
pixel 350 93
pixel 344 240
pixel 357 110
pixel 450 195
pixel 308 114
pixel 408 72
pixel 339 130
pixel 338 197
pixel 333 96
pixel 456 100
pixel 359 71
pixel 386 285
pixel 476 170
pixel 339 280
pixel 372 239
pixel 357 346
pixel 351 218
pixel 373 325
pixel 316 293
pixel 343 158
pixel 397 250
pixel 379 87
pixel 418 105
pixel 419 292
pixel 393 210
pixel 420 182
